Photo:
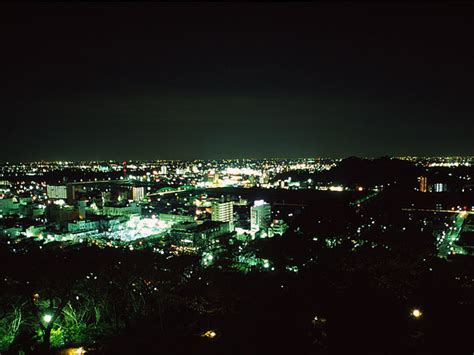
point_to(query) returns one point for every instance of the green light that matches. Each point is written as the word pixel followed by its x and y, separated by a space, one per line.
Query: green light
pixel 47 318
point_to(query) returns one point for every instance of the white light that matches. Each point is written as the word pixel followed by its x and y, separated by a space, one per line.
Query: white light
pixel 259 203
pixel 416 313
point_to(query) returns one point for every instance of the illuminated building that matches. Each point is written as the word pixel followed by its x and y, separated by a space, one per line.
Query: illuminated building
pixel 56 191
pixel 11 232
pixel 278 227
pixel 81 207
pixel 9 206
pixel 260 216
pixel 61 213
pixel 169 217
pixel 423 183
pixel 440 187
pixel 193 234
pixel 71 193
pixel 222 211
pixel 4 186
pixel 82 226
pixel 122 210
pixel 216 178
pixel 138 193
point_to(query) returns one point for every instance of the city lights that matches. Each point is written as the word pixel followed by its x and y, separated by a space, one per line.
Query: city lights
pixel 207 178
pixel 247 218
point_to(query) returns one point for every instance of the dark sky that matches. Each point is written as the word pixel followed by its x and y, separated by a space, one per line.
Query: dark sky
pixel 182 81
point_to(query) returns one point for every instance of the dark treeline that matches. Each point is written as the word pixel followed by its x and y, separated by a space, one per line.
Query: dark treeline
pixel 117 301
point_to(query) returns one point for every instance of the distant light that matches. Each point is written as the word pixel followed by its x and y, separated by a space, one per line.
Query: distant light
pixel 47 318
pixel 416 313
pixel 211 334
pixel 74 351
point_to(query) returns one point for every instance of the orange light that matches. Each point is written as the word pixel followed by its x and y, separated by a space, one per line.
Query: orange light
pixel 209 334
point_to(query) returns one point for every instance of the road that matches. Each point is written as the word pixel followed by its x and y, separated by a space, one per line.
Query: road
pixel 364 199
pixel 446 239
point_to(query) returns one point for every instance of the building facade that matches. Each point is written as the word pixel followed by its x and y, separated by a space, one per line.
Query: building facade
pixel 56 191
pixel 260 216
pixel 222 211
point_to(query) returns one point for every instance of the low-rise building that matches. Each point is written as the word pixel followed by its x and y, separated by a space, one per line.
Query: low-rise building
pixel 82 226
pixel 56 191
pixel 199 234
pixel 179 218
pixel 278 227
pixel 9 206
pixel 122 210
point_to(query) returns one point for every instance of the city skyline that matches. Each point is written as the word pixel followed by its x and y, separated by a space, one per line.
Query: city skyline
pixel 66 162
pixel 148 81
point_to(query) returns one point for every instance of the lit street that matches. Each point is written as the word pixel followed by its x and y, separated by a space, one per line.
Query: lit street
pixel 447 239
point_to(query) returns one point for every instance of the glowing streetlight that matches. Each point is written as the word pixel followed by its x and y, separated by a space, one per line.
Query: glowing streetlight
pixel 47 318
pixel 416 313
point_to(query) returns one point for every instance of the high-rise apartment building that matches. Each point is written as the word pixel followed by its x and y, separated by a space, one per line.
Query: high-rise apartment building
pixel 260 216
pixel 222 211
pixel 423 183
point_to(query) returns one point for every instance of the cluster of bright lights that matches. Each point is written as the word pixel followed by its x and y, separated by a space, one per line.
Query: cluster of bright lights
pixel 207 258
pixel 137 228
pixel 242 171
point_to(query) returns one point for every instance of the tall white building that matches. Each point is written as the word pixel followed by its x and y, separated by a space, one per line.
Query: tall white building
pixel 56 191
pixel 222 211
pixel 260 215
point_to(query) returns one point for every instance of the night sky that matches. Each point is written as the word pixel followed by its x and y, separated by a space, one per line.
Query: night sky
pixel 185 81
